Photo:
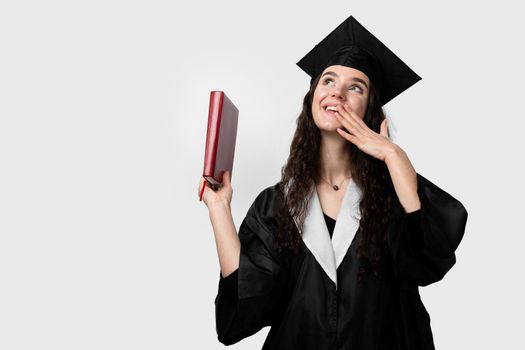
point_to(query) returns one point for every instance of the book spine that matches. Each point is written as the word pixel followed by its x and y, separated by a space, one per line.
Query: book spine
pixel 212 134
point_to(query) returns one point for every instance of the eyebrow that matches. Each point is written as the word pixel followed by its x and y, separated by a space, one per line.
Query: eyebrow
pixel 353 78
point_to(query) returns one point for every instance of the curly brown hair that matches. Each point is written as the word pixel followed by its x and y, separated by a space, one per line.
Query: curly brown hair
pixel 302 170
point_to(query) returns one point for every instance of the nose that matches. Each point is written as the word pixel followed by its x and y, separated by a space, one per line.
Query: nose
pixel 336 92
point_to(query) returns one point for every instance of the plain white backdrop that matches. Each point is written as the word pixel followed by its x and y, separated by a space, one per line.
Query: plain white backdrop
pixel 103 105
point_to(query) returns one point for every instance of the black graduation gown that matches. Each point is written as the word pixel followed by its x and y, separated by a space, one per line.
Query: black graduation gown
pixel 308 307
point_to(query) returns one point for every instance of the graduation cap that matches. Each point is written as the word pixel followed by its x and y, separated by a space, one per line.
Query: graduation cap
pixel 351 45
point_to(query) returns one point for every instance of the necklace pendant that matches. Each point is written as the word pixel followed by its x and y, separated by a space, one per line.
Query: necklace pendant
pixel 336 187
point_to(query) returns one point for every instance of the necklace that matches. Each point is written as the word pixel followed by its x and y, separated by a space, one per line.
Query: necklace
pixel 335 187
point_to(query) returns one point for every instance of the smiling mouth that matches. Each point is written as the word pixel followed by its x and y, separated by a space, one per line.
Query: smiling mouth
pixel 329 112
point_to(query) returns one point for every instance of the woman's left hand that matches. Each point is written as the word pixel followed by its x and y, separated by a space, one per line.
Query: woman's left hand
pixel 367 140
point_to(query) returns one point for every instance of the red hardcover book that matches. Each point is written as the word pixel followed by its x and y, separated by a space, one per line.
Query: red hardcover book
pixel 220 138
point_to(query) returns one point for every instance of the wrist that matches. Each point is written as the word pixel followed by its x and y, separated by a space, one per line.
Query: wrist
pixel 219 206
pixel 394 153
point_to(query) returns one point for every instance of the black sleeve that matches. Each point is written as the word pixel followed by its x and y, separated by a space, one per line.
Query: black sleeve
pixel 424 242
pixel 248 297
pixel 415 235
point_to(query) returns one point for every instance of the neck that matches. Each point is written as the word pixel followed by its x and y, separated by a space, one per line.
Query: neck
pixel 334 164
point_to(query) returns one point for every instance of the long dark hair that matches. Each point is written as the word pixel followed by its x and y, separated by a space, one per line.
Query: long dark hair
pixel 301 171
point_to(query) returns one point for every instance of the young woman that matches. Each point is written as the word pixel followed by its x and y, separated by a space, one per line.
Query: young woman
pixel 331 257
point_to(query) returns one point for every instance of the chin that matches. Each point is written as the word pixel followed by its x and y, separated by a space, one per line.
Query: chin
pixel 329 127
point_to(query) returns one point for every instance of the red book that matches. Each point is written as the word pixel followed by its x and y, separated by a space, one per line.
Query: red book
pixel 220 138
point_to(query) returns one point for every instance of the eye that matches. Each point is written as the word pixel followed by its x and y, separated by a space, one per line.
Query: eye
pixel 359 89
pixel 326 80
pixel 355 86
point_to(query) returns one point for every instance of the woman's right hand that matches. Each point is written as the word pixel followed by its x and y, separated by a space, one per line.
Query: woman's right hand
pixel 221 196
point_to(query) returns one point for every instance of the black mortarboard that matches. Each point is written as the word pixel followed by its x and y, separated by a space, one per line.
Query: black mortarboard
pixel 351 45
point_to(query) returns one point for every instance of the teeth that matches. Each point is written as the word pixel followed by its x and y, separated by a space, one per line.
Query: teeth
pixel 331 108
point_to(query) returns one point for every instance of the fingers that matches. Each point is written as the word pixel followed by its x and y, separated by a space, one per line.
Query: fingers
pixel 347 123
pixel 348 136
pixel 349 120
pixel 384 129
pixel 359 122
pixel 225 182
pixel 226 178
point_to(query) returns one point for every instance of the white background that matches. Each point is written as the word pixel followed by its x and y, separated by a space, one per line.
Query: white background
pixel 103 105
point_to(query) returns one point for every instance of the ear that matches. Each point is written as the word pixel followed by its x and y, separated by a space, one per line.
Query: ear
pixel 384 129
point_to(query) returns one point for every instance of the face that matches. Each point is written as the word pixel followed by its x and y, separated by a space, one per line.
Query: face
pixel 339 85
